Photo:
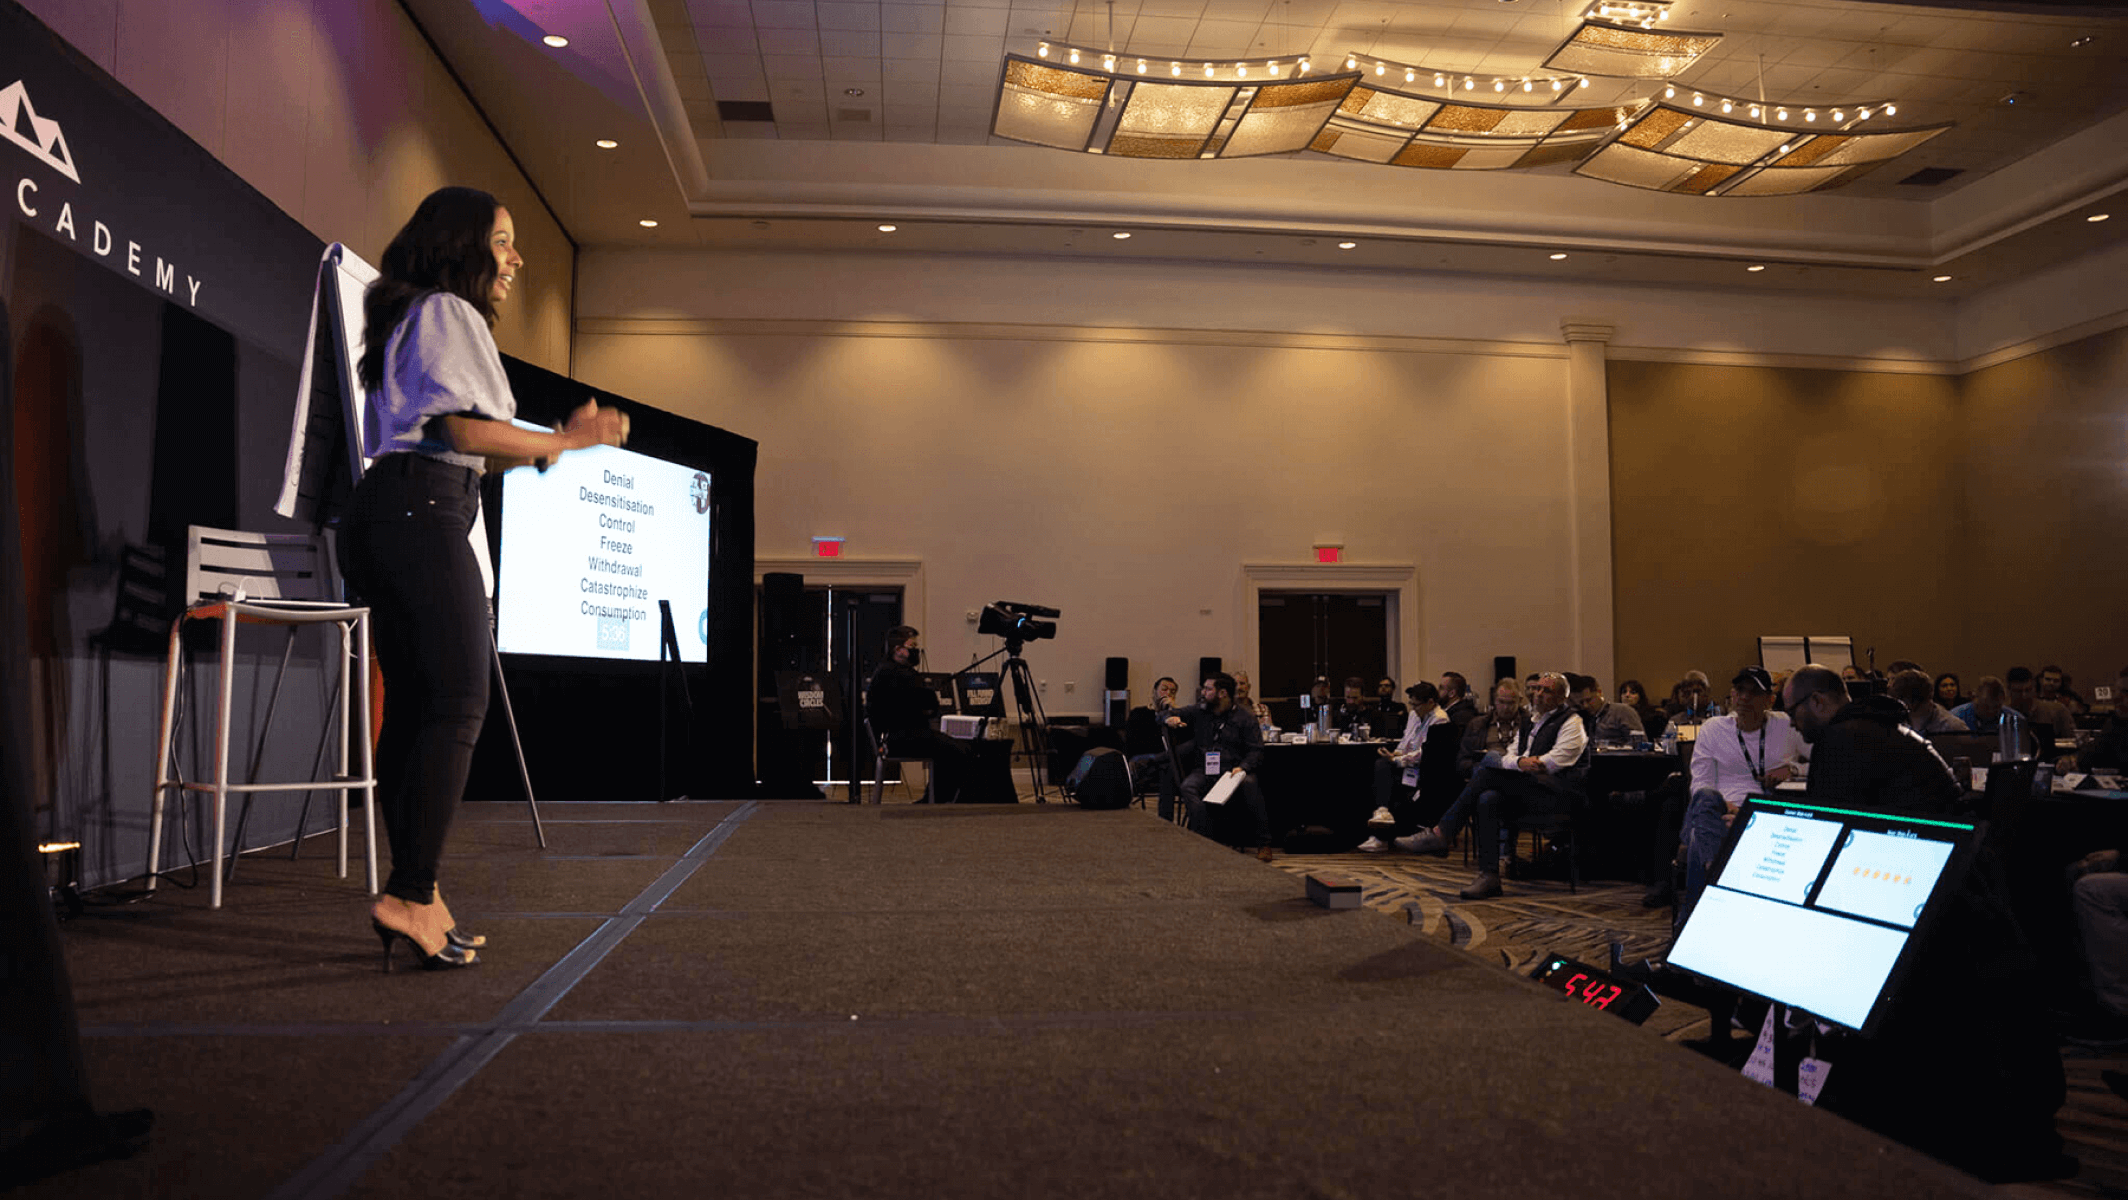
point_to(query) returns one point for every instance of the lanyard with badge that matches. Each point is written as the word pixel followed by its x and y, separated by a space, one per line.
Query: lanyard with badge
pixel 1757 769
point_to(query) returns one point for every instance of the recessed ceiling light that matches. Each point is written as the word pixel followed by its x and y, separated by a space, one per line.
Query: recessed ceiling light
pixel 2095 218
pixel 1943 279
pixel 886 228
pixel 1121 235
pixel 555 40
pixel 1557 257
pixel 607 144
pixel 2082 41
pixel 1756 267
pixel 1346 245
pixel 853 91
pixel 647 223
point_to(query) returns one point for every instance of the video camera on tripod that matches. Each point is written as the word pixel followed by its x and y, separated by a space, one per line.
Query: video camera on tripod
pixel 1017 623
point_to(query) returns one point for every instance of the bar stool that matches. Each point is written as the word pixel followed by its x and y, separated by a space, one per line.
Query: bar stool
pixel 288 580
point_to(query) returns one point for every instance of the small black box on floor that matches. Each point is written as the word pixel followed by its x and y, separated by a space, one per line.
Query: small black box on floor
pixel 1333 891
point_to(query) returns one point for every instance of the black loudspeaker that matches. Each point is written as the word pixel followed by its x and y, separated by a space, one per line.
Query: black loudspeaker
pixel 1101 780
pixel 1504 668
pixel 782 595
pixel 1206 668
pixel 1118 677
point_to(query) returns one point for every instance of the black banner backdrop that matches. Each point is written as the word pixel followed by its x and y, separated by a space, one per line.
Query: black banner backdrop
pixel 158 306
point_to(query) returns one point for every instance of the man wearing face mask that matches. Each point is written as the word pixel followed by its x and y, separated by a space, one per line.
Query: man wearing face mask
pixel 902 706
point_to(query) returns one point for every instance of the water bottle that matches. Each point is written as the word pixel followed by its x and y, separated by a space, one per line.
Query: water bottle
pixel 2010 730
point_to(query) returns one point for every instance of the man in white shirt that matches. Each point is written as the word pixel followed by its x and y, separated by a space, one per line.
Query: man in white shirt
pixel 1542 770
pixel 1744 753
pixel 1396 773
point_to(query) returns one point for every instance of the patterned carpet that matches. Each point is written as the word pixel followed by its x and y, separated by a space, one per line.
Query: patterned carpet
pixel 1534 918
pixel 1539 917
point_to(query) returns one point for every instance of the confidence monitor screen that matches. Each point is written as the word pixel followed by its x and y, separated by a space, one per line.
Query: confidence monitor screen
pixel 591 545
pixel 1816 907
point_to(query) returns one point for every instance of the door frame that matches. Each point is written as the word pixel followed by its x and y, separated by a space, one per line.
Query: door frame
pixel 1399 582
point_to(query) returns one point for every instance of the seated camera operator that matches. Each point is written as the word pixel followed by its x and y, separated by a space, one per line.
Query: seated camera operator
pixel 902 706
pixel 1232 744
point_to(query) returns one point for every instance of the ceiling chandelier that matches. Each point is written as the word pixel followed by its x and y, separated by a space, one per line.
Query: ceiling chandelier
pixel 1371 109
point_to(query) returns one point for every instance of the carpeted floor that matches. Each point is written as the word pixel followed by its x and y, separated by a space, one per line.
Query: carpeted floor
pixel 800 999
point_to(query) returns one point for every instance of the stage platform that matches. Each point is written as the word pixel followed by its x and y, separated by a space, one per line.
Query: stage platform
pixel 808 999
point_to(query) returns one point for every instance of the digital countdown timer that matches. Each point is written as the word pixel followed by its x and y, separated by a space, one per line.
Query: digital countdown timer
pixel 1585 984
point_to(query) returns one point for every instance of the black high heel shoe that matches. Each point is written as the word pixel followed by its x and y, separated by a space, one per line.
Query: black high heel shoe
pixel 464 941
pixel 450 958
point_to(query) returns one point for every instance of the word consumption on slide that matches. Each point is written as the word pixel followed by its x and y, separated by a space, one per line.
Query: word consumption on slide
pixel 592 545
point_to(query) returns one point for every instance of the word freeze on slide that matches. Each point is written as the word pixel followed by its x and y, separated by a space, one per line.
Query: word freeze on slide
pixel 592 545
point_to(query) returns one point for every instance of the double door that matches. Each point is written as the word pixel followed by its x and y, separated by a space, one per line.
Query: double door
pixel 1306 635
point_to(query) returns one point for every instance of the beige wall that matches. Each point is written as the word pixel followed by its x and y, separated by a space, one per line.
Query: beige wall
pixel 337 111
pixel 1971 523
pixel 2043 573
pixel 1128 482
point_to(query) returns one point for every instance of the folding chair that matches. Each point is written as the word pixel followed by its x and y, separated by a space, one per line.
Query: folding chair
pixel 882 758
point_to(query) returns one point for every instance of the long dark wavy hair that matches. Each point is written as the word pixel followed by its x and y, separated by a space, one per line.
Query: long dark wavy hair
pixel 442 248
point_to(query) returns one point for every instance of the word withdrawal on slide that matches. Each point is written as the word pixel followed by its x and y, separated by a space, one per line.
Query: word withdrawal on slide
pixel 589 548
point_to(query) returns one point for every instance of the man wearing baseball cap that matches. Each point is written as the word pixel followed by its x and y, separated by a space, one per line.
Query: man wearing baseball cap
pixel 1743 753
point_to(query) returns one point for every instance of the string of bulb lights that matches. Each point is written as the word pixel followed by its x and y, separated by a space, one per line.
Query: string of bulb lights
pixel 1452 82
pixel 1758 110
pixel 1116 63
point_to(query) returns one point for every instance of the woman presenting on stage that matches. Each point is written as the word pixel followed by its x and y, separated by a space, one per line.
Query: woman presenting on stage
pixel 438 414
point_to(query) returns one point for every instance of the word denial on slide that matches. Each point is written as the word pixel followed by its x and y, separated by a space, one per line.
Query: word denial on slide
pixel 589 548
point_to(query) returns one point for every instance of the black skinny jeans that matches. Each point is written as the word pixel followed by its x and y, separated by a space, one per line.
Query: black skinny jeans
pixel 404 552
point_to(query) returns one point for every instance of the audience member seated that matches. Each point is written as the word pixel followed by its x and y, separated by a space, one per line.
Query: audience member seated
pixel 901 707
pixel 1141 728
pixel 2099 893
pixel 1148 745
pixel 1653 720
pixel 1848 674
pixel 1543 771
pixel 1862 753
pixel 1355 716
pixel 1321 706
pixel 2108 749
pixel 2054 685
pixel 1231 743
pixel 1388 713
pixel 1456 701
pixel 1745 753
pixel 1492 732
pixel 2022 687
pixel 1608 723
pixel 1396 773
pixel 1949 692
pixel 1913 689
pixel 1983 713
pixel 1688 700
pixel 1245 696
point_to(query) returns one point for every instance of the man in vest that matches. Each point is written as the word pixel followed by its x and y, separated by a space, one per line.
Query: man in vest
pixel 1542 770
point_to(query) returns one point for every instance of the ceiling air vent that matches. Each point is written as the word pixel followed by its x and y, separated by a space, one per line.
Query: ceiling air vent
pixel 745 110
pixel 1932 176
pixel 863 115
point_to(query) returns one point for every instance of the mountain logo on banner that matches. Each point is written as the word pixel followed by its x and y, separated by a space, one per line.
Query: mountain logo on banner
pixel 20 124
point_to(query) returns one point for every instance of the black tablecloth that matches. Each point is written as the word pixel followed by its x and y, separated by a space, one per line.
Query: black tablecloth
pixel 1320 783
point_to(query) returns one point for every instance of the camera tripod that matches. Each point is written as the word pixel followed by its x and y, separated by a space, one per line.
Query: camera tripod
pixel 1034 723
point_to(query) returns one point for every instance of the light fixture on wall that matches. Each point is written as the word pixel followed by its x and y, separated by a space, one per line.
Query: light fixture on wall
pixel 555 40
